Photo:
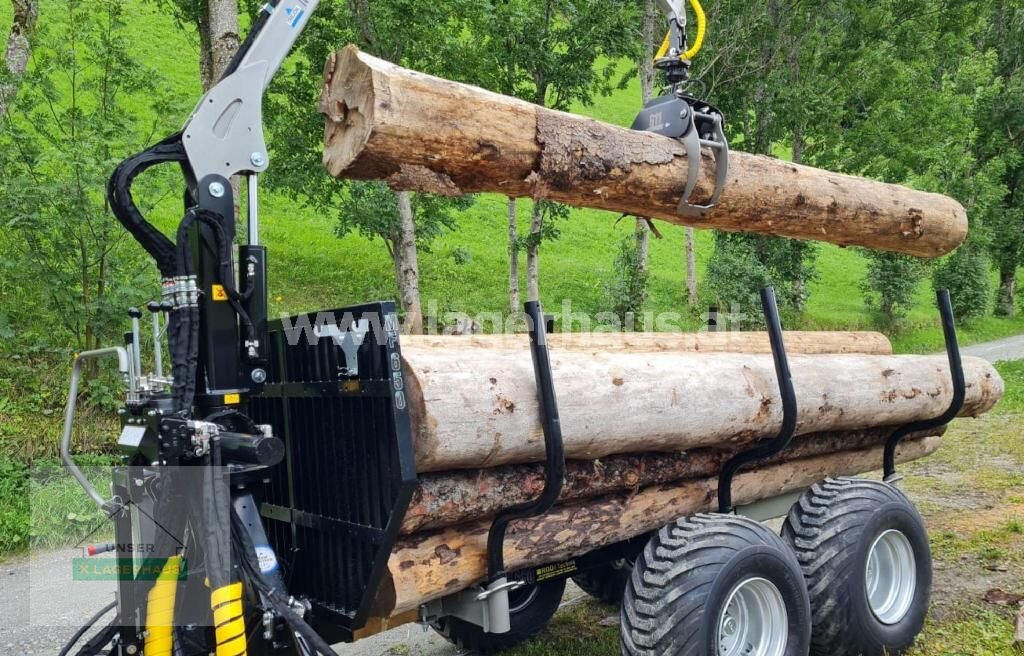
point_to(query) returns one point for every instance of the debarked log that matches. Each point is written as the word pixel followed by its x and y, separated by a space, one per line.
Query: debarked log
pixel 423 133
pixel 473 408
pixel 430 565
pixel 443 499
pixel 797 341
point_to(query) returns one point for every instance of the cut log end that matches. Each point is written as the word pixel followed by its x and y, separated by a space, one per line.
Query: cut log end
pixel 347 103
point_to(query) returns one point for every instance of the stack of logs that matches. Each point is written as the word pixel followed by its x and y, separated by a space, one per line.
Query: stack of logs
pixel 647 419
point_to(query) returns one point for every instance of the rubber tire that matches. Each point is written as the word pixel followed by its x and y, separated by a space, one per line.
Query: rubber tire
pixel 526 622
pixel 682 579
pixel 831 529
pixel 608 583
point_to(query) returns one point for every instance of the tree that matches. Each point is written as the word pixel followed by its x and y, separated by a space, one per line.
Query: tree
pixel 426 36
pixel 19 48
pixel 755 82
pixel 65 132
pixel 1000 123
pixel 216 24
pixel 554 53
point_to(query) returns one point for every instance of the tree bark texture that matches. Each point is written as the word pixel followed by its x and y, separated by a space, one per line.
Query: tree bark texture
pixel 807 342
pixel 1006 296
pixel 478 408
pixel 407 266
pixel 533 254
pixel 19 48
pixel 446 499
pixel 423 133
pixel 691 268
pixel 513 258
pixel 433 564
pixel 222 37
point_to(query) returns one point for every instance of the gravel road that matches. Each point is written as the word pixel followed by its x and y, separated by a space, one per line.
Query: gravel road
pixel 43 606
pixel 1011 348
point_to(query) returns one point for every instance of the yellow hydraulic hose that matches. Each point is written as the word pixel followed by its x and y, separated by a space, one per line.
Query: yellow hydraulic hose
pixel 160 609
pixel 698 42
pixel 228 620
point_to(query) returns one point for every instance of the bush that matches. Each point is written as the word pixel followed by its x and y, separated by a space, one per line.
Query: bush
pixel 627 290
pixel 891 284
pixel 965 275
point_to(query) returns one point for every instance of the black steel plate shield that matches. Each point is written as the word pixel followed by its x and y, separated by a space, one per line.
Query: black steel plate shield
pixel 332 510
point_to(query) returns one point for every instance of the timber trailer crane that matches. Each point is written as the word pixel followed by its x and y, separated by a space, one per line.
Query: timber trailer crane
pixel 265 476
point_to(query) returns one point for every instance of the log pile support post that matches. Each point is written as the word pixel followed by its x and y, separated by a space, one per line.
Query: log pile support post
pixel 956 371
pixel 498 586
pixel 789 407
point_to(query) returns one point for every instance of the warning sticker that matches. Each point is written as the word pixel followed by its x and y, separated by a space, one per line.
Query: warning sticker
pixel 219 293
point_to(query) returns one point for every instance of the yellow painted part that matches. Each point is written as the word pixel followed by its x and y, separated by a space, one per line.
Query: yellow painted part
pixel 227 612
pixel 160 610
pixel 232 399
pixel 229 620
pixel 698 42
pixel 236 647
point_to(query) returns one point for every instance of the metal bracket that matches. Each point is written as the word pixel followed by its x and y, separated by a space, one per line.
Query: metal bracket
pixel 956 371
pixel 496 593
pixel 789 407
pixel 692 142
pixel 348 341
pixel 124 367
pixel 484 607
pixel 224 135
pixel 694 124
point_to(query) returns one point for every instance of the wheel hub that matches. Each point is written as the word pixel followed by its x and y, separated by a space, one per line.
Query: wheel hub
pixel 891 577
pixel 753 621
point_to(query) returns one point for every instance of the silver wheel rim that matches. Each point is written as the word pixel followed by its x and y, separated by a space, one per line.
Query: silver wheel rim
pixel 521 598
pixel 891 577
pixel 753 621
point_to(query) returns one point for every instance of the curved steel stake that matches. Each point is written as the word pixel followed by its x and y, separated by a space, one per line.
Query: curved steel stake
pixel 789 408
pixel 956 370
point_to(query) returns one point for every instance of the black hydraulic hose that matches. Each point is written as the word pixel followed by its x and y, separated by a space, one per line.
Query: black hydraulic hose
pixel 245 553
pixel 956 371
pixel 789 408
pixel 119 195
pixel 85 628
pixel 554 467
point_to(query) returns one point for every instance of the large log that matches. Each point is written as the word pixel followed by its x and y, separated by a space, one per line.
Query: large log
pixel 809 342
pixel 478 408
pixel 430 565
pixel 423 133
pixel 444 499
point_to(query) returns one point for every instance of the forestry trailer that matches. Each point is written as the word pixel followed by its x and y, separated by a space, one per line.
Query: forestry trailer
pixel 268 470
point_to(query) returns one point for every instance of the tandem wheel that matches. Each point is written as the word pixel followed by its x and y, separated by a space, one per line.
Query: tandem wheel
pixel 864 552
pixel 531 608
pixel 607 582
pixel 716 585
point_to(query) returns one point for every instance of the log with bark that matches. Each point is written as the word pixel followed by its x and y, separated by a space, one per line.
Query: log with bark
pixel 474 408
pixel 423 133
pixel 444 499
pixel 808 342
pixel 430 565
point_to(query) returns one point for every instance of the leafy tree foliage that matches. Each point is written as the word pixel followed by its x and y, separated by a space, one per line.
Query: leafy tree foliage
pixel 427 36
pixel 627 289
pixel 68 267
pixel 891 285
pixel 554 53
pixel 965 275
